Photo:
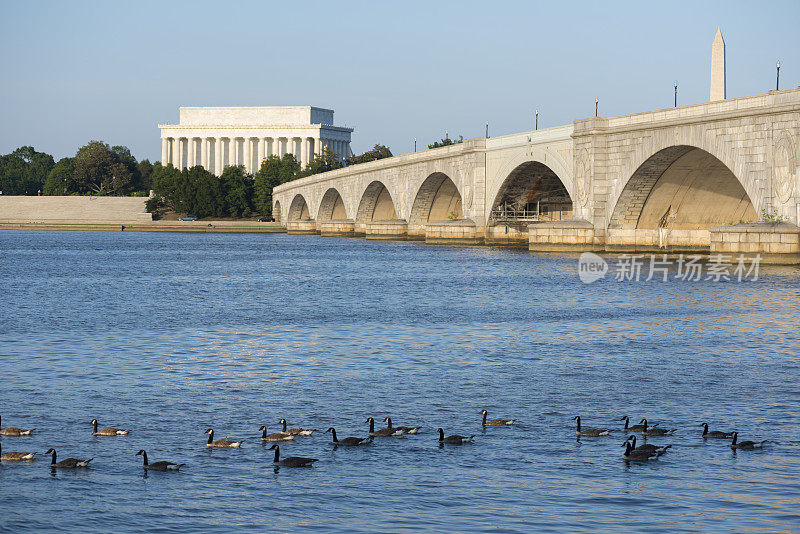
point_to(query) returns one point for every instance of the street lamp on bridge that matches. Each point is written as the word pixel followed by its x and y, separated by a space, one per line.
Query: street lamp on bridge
pixel 778 77
pixel 595 107
pixel 536 125
pixel 676 93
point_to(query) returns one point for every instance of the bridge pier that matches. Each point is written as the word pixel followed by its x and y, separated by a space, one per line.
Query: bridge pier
pixel 391 229
pixel 301 227
pixel 455 232
pixel 575 235
pixel 773 242
pixel 337 228
pixel 511 235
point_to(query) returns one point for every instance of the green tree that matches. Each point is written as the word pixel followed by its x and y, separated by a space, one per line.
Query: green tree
pixel 104 170
pixel 205 196
pixel 145 171
pixel 237 186
pixel 375 153
pixel 24 171
pixel 266 179
pixel 446 142
pixel 289 169
pixel 327 161
pixel 60 180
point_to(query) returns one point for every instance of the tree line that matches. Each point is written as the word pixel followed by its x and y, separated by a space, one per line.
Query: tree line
pixel 100 169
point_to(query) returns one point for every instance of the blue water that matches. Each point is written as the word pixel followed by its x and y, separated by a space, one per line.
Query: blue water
pixel 170 334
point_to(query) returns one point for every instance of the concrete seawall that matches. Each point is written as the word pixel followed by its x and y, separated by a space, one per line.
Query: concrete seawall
pixel 73 210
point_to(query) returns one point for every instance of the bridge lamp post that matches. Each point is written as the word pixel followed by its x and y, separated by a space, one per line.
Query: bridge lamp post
pixel 415 144
pixel 536 124
pixel 778 77
pixel 676 93
pixel 595 107
pixel 487 129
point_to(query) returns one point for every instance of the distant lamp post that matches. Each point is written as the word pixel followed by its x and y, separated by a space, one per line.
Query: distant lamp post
pixel 778 77
pixel 415 144
pixel 676 93
pixel 446 135
pixel 595 107
pixel 487 129
pixel 536 124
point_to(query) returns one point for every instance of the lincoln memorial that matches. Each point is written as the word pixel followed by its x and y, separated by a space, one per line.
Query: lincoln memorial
pixel 216 137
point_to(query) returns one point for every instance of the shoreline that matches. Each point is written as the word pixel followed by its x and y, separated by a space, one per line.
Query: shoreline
pixel 154 226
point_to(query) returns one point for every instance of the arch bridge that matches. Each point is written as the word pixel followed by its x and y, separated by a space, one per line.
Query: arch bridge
pixel 699 177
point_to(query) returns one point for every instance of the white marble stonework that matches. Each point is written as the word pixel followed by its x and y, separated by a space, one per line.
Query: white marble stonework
pixel 216 137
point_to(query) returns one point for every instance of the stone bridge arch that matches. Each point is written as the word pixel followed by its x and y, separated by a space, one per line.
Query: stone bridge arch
pixel 331 207
pixel 683 187
pixel 298 210
pixel 436 199
pixel 376 204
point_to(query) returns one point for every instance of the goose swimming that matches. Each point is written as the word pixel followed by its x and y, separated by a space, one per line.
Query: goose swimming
pixel 455 439
pixel 291 461
pixel 158 466
pixel 107 431
pixel 634 428
pixel 589 432
pixel 716 434
pixel 69 463
pixel 495 422
pixel 403 429
pixel 639 455
pixel 348 442
pixel 647 447
pixel 13 431
pixel 747 445
pixel 278 436
pixel 653 431
pixel 296 431
pixel 16 456
pixel 383 432
pixel 221 442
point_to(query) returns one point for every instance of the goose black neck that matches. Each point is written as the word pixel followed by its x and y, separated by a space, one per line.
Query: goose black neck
pixel 626 423
pixel 735 435
pixel 277 453
pixel 95 426
pixel 484 419
pixel 633 441
pixel 144 458
pixel 371 425
pixel 53 459
pixel 210 437
pixel 644 425
pixel 578 419
pixel 388 422
pixel 441 435
pixel 264 432
pixel 284 426
pixel 627 448
pixel 705 428
pixel 333 435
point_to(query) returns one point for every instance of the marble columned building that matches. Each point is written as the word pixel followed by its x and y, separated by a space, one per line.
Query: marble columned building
pixel 216 137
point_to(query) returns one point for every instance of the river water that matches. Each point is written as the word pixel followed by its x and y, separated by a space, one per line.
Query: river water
pixel 170 334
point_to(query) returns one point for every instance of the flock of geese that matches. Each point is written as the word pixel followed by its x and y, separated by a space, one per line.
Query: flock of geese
pixel 641 453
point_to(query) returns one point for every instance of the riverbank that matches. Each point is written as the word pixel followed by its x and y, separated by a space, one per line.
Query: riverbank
pixel 150 226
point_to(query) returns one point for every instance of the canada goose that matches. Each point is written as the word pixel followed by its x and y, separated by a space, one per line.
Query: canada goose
pixel 747 445
pixel 279 436
pixel 15 456
pixel 589 432
pixel 158 466
pixel 348 442
pixel 13 431
pixel 495 422
pixel 107 431
pixel 403 429
pixel 634 428
pixel 296 431
pixel 716 434
pixel 383 432
pixel 647 447
pixel 69 463
pixel 455 439
pixel 221 442
pixel 653 431
pixel 639 455
pixel 291 461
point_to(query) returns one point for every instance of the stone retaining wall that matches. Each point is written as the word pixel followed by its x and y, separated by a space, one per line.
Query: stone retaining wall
pixel 775 243
pixel 562 236
pixel 337 228
pixel 301 227
pixel 656 240
pixel 391 229
pixel 73 209
pixel 455 232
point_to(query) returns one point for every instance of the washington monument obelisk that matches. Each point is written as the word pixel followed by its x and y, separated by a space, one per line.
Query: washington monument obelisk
pixel 718 67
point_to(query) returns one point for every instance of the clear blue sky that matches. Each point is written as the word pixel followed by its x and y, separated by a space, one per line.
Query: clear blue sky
pixel 76 71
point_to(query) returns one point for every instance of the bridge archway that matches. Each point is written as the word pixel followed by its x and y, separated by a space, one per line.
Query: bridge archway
pixel 376 204
pixel 532 191
pixel 437 199
pixel 682 187
pixel 331 207
pixel 299 209
pixel 276 210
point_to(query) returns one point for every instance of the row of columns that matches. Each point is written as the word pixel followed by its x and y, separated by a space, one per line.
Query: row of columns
pixel 225 150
